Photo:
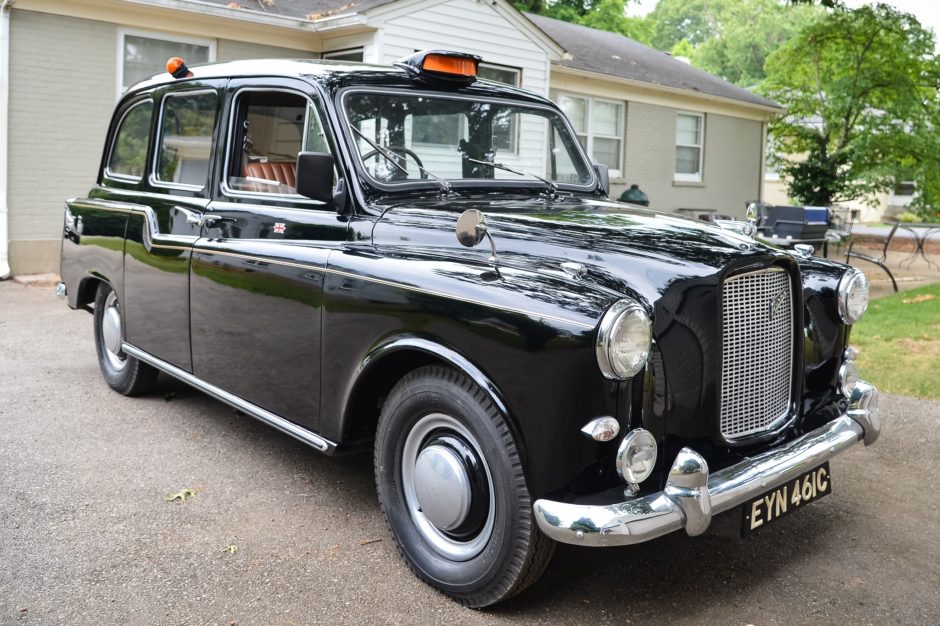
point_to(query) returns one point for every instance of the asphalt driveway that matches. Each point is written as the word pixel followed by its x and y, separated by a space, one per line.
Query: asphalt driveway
pixel 278 534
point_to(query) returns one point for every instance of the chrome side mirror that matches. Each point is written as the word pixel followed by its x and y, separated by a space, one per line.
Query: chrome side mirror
pixel 471 229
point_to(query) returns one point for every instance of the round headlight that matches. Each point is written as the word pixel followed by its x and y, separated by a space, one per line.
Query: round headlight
pixel 636 456
pixel 623 340
pixel 853 296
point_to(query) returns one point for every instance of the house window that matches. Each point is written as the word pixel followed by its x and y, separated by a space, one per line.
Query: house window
pixel 599 126
pixel 500 74
pixel 144 54
pixel 690 135
pixel 349 54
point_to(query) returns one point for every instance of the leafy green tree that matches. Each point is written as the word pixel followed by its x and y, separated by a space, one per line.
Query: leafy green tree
pixel 609 15
pixel 696 21
pixel 859 88
pixel 749 31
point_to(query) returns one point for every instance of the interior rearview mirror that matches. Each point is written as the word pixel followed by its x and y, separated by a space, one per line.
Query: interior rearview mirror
pixel 603 178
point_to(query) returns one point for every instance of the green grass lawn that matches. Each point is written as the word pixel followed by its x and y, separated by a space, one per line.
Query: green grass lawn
pixel 899 343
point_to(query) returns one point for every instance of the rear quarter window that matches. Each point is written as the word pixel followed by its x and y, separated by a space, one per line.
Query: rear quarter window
pixel 128 157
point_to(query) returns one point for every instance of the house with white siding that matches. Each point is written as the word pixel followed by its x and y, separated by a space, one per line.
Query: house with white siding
pixel 692 141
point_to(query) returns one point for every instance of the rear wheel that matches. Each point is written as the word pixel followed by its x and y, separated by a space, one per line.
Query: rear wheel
pixel 452 487
pixel 122 372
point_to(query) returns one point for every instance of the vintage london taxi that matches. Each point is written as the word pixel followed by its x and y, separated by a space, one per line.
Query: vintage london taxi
pixel 415 261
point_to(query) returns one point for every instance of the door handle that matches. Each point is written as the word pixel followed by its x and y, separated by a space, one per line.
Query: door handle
pixel 208 219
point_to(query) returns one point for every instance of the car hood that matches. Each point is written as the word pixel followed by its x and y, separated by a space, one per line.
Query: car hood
pixel 623 247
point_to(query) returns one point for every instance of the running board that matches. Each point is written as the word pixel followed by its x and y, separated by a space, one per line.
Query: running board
pixel 285 426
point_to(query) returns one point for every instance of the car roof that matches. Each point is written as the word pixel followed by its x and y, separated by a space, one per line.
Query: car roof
pixel 334 75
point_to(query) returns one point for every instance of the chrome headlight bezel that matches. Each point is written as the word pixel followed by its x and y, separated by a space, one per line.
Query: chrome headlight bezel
pixel 624 311
pixel 852 281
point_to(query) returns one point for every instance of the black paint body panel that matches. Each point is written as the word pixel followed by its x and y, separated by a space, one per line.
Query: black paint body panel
pixel 306 319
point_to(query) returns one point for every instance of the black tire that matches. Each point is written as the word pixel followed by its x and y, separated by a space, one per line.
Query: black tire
pixel 122 372
pixel 501 559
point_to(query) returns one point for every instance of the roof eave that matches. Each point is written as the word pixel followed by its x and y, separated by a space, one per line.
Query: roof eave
pixel 565 69
pixel 257 17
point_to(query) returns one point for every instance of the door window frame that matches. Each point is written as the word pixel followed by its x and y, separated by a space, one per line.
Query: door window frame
pixel 262 196
pixel 157 143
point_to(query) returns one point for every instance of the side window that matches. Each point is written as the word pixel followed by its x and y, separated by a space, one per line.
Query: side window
pixel 270 128
pixel 129 150
pixel 185 145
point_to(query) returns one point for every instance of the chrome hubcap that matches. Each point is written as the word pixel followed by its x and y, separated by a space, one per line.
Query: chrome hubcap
pixel 111 333
pixel 442 487
pixel 447 487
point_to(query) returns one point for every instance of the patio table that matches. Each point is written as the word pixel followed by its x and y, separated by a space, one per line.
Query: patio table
pixel 921 233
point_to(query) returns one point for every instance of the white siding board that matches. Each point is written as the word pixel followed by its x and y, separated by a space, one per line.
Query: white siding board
pixel 477 28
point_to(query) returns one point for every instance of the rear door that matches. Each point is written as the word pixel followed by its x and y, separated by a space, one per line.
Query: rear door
pixel 257 272
pixel 161 233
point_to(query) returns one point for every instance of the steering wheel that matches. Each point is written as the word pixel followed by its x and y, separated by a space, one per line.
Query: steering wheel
pixel 399 150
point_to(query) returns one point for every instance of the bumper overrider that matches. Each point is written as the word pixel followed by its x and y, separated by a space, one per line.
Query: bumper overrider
pixel 692 497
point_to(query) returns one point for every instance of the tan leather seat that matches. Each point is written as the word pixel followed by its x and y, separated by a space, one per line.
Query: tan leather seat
pixel 283 172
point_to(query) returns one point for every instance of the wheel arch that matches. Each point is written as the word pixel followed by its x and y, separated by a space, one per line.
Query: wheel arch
pixel 391 360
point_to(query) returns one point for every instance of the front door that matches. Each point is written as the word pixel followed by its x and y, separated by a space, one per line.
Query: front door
pixel 257 272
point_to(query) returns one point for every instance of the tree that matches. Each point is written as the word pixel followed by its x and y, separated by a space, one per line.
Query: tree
pixel 749 31
pixel 609 15
pixel 859 88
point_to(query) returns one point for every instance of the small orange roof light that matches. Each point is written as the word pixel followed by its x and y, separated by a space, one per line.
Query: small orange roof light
pixel 441 67
pixel 177 67
pixel 446 64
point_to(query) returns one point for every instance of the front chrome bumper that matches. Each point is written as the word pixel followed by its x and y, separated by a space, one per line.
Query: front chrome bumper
pixel 692 497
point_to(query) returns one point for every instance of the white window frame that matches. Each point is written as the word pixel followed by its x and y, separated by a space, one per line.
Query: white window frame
pixel 333 54
pixel 589 131
pixel 696 177
pixel 506 68
pixel 153 34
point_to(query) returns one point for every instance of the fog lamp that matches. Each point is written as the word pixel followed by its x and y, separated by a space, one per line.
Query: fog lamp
pixel 848 377
pixel 636 456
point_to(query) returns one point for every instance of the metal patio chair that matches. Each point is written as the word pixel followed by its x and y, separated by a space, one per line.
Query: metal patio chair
pixel 880 261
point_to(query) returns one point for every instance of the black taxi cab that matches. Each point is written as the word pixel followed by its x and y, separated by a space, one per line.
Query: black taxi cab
pixel 409 260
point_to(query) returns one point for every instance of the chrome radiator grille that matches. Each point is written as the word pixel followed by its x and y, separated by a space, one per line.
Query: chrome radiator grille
pixel 757 351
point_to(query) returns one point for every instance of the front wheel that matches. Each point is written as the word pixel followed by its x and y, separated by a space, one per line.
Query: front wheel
pixel 122 372
pixel 452 487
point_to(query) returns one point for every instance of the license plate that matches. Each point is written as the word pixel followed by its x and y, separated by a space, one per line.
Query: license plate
pixel 792 495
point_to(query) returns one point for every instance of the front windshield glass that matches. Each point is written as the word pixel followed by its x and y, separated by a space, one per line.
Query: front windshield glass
pixel 449 137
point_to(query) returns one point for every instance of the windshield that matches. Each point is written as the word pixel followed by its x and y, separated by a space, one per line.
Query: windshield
pixel 454 138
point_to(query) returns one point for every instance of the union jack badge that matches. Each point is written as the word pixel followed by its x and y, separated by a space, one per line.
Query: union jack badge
pixel 279 228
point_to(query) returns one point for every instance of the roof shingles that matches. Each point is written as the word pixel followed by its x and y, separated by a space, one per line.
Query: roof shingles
pixel 612 54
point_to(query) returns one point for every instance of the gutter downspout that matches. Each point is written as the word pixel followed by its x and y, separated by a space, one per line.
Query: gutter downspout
pixel 5 7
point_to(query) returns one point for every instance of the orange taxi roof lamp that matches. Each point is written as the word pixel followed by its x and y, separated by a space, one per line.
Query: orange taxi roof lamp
pixel 177 68
pixel 445 64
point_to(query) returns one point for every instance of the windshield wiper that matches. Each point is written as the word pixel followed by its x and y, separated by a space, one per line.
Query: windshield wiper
pixel 552 186
pixel 446 189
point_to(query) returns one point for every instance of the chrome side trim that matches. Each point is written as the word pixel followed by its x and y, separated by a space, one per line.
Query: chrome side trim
pixel 692 496
pixel 285 426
